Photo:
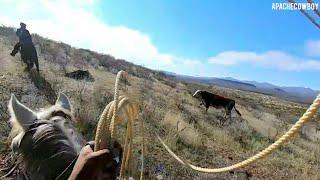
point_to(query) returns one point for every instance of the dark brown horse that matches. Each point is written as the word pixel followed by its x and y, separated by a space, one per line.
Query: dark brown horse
pixel 29 55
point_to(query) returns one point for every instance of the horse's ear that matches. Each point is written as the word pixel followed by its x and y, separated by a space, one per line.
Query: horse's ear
pixel 63 101
pixel 20 113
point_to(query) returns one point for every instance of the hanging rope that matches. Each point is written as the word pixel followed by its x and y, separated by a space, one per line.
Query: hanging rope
pixel 307 15
pixel 106 131
pixel 312 110
pixel 315 10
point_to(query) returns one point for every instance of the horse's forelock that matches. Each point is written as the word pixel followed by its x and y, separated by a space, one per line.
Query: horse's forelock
pixel 50 112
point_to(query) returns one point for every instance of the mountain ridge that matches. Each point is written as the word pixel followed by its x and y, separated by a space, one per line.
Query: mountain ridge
pixel 291 93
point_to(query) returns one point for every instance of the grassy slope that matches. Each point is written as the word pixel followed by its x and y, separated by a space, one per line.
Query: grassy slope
pixel 164 104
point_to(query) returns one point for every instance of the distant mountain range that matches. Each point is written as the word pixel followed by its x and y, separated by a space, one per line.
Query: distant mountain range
pixel 296 94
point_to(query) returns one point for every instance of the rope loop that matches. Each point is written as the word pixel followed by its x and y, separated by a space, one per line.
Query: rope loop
pixel 106 131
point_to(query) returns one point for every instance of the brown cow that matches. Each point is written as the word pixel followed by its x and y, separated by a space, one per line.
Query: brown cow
pixel 208 99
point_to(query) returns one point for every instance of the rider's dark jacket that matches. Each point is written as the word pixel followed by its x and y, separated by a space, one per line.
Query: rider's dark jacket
pixel 24 36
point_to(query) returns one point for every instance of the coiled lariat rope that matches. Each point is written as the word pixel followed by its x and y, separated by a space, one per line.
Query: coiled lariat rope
pixel 105 133
pixel 311 111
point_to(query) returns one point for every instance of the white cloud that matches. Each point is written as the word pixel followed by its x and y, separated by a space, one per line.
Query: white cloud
pixel 270 59
pixel 313 48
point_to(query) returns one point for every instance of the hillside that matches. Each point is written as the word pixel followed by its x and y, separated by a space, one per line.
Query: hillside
pixel 167 108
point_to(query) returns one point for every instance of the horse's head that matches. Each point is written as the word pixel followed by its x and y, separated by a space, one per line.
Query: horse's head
pixel 46 140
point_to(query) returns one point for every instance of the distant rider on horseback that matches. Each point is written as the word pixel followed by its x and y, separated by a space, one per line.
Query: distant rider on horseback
pixel 26 47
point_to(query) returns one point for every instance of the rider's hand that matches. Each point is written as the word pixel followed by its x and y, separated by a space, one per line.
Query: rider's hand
pixel 91 165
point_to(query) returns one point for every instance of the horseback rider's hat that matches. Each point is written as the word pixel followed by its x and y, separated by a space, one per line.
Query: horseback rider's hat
pixel 23 24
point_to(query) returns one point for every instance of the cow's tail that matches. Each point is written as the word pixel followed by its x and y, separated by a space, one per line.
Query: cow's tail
pixel 237 110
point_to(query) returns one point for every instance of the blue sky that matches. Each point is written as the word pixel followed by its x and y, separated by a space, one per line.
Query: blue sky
pixel 200 29
pixel 247 41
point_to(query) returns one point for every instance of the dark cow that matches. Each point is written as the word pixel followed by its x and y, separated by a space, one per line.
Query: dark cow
pixel 208 99
pixel 80 75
